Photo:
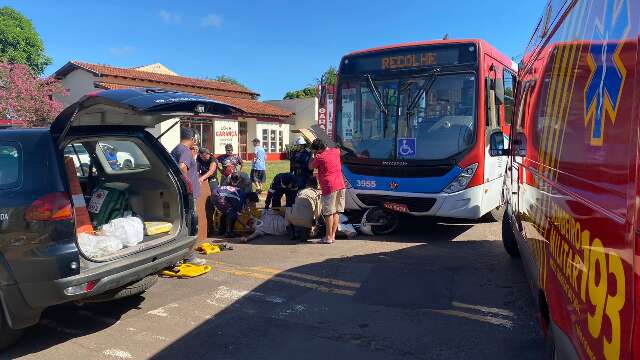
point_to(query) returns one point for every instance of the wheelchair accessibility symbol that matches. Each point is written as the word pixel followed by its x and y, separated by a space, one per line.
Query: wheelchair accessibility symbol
pixel 406 147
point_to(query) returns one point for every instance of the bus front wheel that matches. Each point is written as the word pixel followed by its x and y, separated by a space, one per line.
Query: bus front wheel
pixel 380 221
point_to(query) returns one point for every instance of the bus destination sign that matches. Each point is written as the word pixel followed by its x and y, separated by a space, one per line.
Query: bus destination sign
pixel 409 61
pixel 411 58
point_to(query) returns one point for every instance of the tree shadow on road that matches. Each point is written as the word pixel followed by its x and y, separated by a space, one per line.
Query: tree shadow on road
pixel 439 300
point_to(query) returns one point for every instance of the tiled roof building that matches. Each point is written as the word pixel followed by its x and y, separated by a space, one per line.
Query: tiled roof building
pixel 255 119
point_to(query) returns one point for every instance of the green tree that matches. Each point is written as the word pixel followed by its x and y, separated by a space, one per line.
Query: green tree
pixel 20 42
pixel 307 92
pixel 229 80
pixel 328 78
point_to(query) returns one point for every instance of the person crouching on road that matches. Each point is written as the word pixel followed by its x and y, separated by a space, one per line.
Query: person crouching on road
pixel 305 211
pixel 259 168
pixel 230 201
pixel 285 184
pixel 327 162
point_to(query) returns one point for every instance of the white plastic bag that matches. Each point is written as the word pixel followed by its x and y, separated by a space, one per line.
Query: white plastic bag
pixel 96 246
pixel 346 230
pixel 129 230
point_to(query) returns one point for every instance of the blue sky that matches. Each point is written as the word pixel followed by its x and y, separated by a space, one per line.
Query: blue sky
pixel 270 46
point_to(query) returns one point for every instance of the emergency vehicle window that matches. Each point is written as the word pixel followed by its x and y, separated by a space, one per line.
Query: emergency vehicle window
pixel 509 96
pixel 10 166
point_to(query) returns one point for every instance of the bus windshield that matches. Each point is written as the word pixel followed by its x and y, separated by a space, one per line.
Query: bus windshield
pixel 407 119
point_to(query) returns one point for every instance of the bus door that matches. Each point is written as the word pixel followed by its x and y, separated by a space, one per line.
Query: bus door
pixel 494 118
pixel 494 167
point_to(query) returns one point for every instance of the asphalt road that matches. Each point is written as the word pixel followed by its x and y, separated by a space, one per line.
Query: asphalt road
pixel 435 290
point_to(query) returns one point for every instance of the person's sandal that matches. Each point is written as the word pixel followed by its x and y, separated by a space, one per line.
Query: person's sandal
pixel 324 240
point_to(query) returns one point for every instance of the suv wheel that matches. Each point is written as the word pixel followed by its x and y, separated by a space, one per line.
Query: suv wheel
pixel 8 336
pixel 135 288
pixel 508 237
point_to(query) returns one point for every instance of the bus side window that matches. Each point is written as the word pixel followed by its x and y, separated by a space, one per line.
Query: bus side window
pixel 494 113
pixel 509 96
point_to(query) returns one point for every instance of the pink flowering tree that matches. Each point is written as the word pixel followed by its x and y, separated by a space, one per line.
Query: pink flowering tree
pixel 28 98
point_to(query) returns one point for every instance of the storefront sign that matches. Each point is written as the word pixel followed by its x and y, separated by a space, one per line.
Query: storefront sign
pixel 225 132
pixel 330 114
pixel 325 110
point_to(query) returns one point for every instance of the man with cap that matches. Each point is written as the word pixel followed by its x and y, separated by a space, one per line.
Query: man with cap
pixel 228 164
pixel 187 163
pixel 259 168
pixel 300 161
pixel 285 184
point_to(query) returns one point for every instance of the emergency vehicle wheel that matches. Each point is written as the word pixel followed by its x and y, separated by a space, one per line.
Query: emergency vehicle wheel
pixel 508 237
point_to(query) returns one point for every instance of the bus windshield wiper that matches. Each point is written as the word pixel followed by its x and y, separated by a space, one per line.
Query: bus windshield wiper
pixel 426 87
pixel 376 94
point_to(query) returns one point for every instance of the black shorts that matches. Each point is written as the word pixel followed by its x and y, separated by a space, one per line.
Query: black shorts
pixel 258 175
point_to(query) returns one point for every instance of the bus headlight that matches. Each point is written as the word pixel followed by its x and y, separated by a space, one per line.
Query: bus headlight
pixel 462 180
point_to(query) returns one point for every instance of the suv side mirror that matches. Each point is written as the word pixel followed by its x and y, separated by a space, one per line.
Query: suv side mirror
pixel 496 144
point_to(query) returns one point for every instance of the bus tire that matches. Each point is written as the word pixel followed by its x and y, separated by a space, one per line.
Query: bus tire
pixel 508 237
pixel 8 336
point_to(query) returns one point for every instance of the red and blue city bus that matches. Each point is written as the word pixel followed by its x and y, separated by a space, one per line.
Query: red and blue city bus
pixel 414 121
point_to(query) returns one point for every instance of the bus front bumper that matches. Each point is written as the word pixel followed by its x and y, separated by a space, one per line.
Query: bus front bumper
pixel 465 204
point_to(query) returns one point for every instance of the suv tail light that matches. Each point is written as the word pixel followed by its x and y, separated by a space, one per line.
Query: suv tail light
pixel 188 182
pixel 50 207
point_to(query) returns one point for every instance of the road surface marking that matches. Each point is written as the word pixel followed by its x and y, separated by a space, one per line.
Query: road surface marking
pixel 162 311
pixel 488 319
pixel 257 272
pixel 224 296
pixel 121 354
pixel 484 309
pixel 278 278
pixel 308 277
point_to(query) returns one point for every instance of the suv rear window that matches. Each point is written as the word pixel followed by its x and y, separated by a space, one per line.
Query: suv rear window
pixel 10 166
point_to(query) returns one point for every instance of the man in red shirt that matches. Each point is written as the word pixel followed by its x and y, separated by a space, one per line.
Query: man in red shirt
pixel 327 162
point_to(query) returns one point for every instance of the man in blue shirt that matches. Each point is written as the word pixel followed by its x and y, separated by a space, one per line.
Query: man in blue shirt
pixel 187 163
pixel 259 169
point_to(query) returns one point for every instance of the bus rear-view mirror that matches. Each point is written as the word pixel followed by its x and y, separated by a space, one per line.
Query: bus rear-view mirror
pixel 519 144
pixel 497 144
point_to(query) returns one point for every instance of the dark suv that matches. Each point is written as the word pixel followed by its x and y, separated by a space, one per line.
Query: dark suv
pixel 42 262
